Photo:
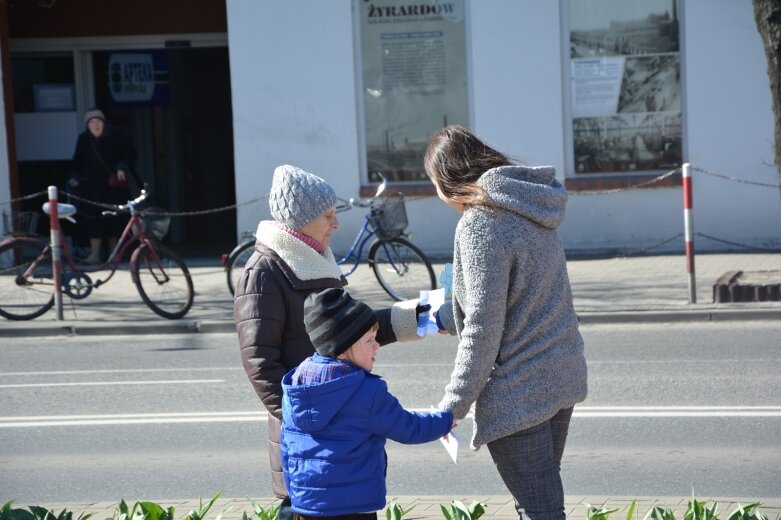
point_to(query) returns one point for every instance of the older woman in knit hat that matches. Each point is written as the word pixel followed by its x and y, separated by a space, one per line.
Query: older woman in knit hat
pixel 292 260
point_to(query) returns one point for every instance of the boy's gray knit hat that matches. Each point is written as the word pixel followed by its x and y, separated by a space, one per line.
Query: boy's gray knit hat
pixel 298 197
pixel 335 320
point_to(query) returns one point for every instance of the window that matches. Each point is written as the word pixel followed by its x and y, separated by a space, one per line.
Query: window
pixel 414 80
pixel 625 86
pixel 43 83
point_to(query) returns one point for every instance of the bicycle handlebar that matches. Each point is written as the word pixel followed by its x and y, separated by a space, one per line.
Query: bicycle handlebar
pixel 366 203
pixel 131 204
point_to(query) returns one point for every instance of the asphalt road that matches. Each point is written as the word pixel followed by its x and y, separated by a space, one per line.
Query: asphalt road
pixel 670 406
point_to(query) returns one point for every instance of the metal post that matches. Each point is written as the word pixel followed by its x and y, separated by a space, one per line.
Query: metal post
pixel 688 220
pixel 54 237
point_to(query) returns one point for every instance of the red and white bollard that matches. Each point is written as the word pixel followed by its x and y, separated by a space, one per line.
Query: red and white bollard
pixel 688 220
pixel 54 237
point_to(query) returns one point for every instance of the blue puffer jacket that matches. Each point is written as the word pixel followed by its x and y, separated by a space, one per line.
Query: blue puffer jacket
pixel 333 441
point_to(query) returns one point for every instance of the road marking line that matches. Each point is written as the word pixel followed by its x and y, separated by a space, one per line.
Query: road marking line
pixel 254 416
pixel 129 416
pixel 677 408
pixel 115 371
pixel 114 383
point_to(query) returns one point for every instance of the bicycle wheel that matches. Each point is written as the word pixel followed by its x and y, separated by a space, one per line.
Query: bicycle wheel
pixel 236 262
pixel 25 296
pixel 401 268
pixel 162 280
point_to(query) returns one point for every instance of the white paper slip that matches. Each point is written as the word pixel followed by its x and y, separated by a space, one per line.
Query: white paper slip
pixel 450 442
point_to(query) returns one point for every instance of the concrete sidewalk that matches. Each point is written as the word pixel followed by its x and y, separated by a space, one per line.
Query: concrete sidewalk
pixel 498 507
pixel 641 289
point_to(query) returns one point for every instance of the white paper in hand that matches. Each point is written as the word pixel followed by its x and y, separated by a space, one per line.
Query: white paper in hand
pixel 450 442
pixel 427 322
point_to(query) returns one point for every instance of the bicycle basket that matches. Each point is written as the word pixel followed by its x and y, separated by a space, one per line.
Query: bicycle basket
pixel 20 223
pixel 390 219
pixel 155 223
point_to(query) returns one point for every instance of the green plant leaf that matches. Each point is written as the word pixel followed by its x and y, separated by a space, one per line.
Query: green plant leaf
pixel 598 513
pixel 659 513
pixel 476 510
pixel 262 513
pixel 41 513
pixel 152 511
pixel 202 510
pixel 396 512
pixel 392 512
pixel 222 513
pixel 458 511
pixel 631 511
pixel 13 513
pixel 748 512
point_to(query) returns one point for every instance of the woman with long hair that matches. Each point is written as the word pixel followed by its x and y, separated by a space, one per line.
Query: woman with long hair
pixel 520 355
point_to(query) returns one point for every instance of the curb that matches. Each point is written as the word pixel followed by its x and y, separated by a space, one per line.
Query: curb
pixel 705 315
pixel 30 329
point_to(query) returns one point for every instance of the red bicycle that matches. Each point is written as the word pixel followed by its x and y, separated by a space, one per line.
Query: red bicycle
pixel 159 274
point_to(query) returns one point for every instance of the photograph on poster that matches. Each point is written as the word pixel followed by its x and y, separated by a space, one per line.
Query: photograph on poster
pixel 626 85
pixel 627 143
pixel 622 27
pixel 414 82
pixel 651 84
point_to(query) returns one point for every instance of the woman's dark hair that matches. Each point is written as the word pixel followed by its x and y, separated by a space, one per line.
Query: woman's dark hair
pixel 455 159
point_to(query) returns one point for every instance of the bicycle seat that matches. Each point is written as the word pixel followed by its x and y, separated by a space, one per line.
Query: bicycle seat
pixel 63 210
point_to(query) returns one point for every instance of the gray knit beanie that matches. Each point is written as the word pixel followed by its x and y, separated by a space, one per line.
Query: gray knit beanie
pixel 298 197
pixel 335 320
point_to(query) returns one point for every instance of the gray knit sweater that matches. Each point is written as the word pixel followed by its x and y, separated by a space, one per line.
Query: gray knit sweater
pixel 520 355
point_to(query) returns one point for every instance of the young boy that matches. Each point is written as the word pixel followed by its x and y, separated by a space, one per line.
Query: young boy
pixel 336 415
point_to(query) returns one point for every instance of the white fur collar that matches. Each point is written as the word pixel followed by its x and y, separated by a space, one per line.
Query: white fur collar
pixel 304 261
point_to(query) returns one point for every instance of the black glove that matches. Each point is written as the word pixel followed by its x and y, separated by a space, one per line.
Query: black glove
pixel 421 309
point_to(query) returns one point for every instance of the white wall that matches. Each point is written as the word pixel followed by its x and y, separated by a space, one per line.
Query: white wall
pixel 730 123
pixel 294 100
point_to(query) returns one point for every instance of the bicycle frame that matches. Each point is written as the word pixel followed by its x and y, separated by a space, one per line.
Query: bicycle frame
pixel 361 238
pixel 159 274
pixel 131 236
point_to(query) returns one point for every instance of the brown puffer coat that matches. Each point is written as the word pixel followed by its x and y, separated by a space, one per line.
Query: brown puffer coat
pixel 269 316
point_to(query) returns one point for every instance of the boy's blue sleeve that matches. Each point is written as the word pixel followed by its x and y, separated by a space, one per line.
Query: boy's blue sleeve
pixel 391 420
pixel 283 453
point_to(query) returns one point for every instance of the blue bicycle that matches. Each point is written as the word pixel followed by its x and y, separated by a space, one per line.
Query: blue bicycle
pixel 399 266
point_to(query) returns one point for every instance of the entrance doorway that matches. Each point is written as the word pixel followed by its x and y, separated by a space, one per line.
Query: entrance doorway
pixel 184 144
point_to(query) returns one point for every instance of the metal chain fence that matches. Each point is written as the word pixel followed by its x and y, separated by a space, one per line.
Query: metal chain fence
pixel 639 185
pixel 416 198
pixel 735 179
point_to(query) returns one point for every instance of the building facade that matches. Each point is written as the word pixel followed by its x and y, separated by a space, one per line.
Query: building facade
pixel 615 94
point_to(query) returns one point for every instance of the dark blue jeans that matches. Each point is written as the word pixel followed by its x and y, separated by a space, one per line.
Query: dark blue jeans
pixel 529 463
